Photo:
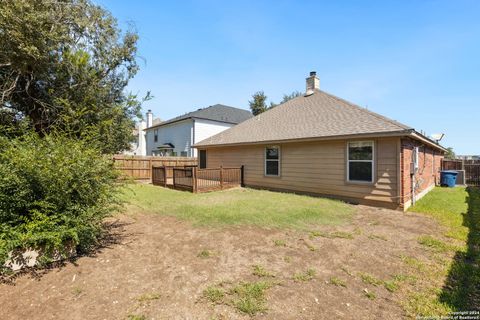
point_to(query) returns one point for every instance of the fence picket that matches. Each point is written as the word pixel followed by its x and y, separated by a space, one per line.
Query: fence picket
pixel 140 167
pixel 471 167
pixel 192 179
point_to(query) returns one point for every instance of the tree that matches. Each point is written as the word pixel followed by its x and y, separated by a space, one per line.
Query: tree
pixel 450 154
pixel 258 104
pixel 287 97
pixel 64 66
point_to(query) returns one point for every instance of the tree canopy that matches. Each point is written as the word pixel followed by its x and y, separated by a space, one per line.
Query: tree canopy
pixel 287 97
pixel 258 104
pixel 450 154
pixel 64 66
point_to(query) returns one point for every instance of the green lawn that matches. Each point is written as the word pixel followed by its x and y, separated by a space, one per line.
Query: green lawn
pixel 239 207
pixel 458 209
pixel 447 206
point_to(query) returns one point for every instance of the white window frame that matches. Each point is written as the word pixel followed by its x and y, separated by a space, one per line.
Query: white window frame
pixel 372 161
pixel 265 161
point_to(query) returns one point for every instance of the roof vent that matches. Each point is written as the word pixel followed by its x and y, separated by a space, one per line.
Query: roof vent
pixel 313 83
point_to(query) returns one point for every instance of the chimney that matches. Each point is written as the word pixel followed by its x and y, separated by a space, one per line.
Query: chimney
pixel 313 83
pixel 149 118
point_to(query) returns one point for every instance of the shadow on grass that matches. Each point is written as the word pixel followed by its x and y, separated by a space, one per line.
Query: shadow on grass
pixel 462 288
pixel 114 234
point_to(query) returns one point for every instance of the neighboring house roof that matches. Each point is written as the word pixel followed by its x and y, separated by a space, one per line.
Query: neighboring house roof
pixel 218 112
pixel 319 115
pixel 156 121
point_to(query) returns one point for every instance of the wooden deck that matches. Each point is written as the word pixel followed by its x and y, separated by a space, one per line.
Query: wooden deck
pixel 190 178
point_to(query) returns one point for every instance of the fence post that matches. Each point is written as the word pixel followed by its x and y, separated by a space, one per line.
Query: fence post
pixel 194 177
pixel 164 176
pixel 173 174
pixel 221 177
pixel 242 184
pixel 151 168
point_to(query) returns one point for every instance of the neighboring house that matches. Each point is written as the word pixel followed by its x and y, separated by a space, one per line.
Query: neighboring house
pixel 320 144
pixel 176 136
pixel 468 157
pixel 139 146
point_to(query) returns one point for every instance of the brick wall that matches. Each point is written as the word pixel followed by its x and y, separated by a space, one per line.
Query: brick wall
pixel 427 174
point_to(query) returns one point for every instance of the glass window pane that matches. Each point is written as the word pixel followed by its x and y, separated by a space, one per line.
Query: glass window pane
pixel 271 168
pixel 360 151
pixel 203 159
pixel 272 153
pixel 360 171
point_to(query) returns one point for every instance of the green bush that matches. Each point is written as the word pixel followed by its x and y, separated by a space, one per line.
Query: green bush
pixel 54 191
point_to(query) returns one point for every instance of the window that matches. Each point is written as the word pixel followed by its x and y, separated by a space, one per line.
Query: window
pixel 203 159
pixel 155 135
pixel 272 161
pixel 183 153
pixel 360 161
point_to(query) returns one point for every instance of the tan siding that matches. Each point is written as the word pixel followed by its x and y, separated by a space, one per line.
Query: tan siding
pixel 315 167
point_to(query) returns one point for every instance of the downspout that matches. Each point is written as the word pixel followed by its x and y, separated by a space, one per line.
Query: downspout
pixel 413 172
pixel 412 179
pixel 192 152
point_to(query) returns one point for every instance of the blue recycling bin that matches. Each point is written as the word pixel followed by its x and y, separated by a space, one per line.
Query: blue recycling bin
pixel 448 178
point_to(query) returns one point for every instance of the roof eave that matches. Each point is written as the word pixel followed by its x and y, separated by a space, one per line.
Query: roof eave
pixel 167 123
pixel 193 118
pixel 400 133
pixel 221 121
pixel 417 135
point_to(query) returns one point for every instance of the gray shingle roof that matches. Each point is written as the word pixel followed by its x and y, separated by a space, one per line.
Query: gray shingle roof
pixel 218 112
pixel 318 115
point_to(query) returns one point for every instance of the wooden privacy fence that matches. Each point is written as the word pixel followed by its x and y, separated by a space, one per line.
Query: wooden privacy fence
pixel 471 167
pixel 452 164
pixel 140 167
pixel 472 172
pixel 192 179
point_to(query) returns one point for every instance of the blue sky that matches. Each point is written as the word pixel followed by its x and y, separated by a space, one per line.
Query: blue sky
pixel 417 62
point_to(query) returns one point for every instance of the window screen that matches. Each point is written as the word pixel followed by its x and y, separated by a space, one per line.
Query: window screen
pixel 272 161
pixel 360 161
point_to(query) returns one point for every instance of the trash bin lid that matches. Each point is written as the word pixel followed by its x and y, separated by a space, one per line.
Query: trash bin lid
pixel 449 171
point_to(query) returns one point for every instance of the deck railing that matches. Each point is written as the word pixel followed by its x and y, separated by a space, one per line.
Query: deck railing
pixel 192 179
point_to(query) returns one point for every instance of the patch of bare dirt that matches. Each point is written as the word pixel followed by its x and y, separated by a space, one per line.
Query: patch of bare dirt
pixel 151 267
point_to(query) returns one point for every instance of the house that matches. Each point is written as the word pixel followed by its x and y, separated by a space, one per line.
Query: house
pixel 139 146
pixel 176 136
pixel 320 144
pixel 468 157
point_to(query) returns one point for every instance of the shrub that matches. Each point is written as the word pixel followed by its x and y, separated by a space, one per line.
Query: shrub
pixel 54 191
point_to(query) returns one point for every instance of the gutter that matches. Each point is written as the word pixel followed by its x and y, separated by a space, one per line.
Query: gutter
pixel 416 135
pixel 400 133
pixel 193 118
